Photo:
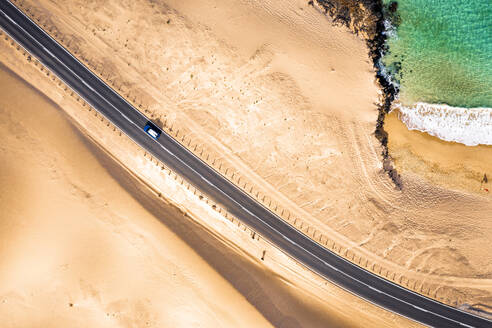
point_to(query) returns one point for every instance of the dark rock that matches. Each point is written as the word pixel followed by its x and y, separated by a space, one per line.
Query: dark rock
pixel 366 19
pixel 393 6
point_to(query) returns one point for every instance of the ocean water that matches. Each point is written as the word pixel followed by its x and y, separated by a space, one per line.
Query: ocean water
pixel 440 54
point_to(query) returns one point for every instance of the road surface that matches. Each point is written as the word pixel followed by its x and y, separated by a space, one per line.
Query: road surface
pixel 327 264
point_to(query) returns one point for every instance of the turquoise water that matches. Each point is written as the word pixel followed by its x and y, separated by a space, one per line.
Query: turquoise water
pixel 443 49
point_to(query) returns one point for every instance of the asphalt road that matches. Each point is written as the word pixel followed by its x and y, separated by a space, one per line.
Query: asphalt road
pixel 309 253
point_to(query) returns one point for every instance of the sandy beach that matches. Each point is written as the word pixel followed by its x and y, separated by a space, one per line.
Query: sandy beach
pixel 448 164
pixel 276 96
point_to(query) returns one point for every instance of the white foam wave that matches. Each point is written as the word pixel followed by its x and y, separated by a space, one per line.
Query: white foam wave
pixel 469 126
pixel 389 29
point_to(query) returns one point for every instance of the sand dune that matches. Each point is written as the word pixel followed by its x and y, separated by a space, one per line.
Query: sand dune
pixel 78 250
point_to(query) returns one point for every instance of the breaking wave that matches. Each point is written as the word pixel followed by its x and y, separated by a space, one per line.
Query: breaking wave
pixel 469 126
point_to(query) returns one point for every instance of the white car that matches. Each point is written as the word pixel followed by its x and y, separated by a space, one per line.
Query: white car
pixel 152 130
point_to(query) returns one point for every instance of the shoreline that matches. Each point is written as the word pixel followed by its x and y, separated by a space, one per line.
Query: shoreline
pixel 467 126
pixel 449 118
pixel 452 165
pixel 376 43
pixel 414 119
pixel 424 123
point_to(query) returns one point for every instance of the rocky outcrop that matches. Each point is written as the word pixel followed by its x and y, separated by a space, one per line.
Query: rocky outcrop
pixel 366 19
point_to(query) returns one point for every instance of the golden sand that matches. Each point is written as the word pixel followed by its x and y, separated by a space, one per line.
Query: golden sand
pixel 287 102
pixel 78 250
pixel 448 164
pixel 87 244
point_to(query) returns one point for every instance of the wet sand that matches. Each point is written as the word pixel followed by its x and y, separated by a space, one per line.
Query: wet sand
pixel 447 164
